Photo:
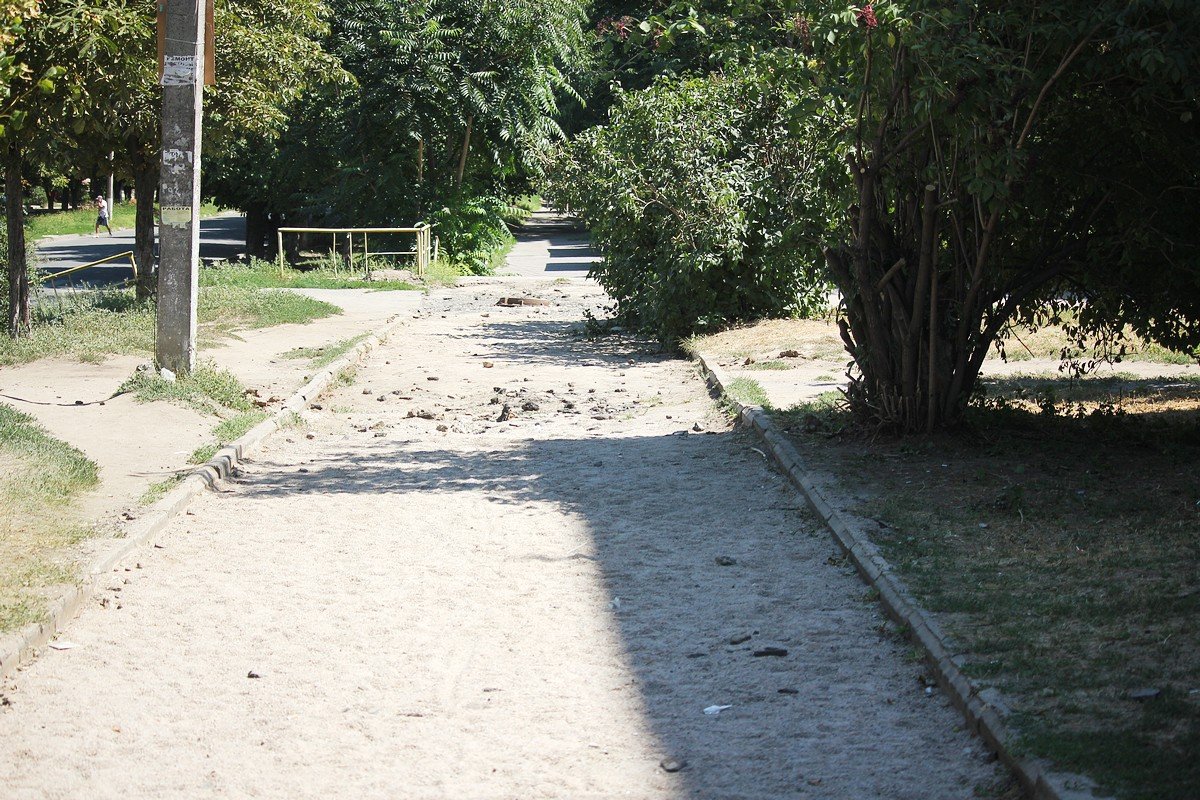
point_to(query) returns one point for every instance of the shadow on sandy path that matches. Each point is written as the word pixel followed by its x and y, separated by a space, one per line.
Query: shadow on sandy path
pixel 839 716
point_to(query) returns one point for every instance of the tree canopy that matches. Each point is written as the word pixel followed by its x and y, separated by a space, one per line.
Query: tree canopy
pixel 982 163
pixel 444 105
pixel 953 169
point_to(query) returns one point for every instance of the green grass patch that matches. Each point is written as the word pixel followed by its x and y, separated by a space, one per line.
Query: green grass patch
pixel 207 389
pixel 63 472
pixel 203 453
pixel 260 274
pixel 444 272
pixel 228 431
pixel 769 365
pixel 324 356
pixel 40 479
pixel 86 327
pixel 90 326
pixel 291 420
pixel 1056 541
pixel 828 413
pixel 83 220
pixel 227 308
pixel 236 427
pixel 748 391
pixel 157 491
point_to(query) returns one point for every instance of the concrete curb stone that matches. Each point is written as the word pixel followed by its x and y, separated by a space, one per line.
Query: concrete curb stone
pixel 1035 775
pixel 22 645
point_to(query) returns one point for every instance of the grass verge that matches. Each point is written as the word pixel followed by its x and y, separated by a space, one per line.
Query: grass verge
pixel 40 478
pixel 90 326
pixel 1052 342
pixel 443 273
pixel 207 389
pixel 260 274
pixel 229 430
pixel 157 491
pixel 1057 540
pixel 748 391
pixel 324 356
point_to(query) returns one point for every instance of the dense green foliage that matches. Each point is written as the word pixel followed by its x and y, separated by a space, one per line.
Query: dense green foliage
pixel 324 113
pixel 13 14
pixel 969 172
pixel 447 110
pixel 956 196
pixel 696 195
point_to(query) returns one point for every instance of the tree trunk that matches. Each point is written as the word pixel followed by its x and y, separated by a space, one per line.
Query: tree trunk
pixel 18 270
pixel 256 231
pixel 291 248
pixel 462 156
pixel 272 224
pixel 145 178
pixel 420 177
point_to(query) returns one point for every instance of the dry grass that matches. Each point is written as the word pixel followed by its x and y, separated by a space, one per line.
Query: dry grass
pixel 1058 541
pixel 39 480
pixel 818 339
pixel 1052 342
pixel 1056 537
pixel 813 339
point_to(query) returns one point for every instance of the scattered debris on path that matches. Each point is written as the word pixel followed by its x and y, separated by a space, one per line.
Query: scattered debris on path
pixel 512 604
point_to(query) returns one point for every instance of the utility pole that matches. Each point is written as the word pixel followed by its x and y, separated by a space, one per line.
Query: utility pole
pixel 179 183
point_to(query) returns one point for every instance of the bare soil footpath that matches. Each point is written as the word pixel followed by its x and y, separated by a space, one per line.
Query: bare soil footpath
pixel 410 598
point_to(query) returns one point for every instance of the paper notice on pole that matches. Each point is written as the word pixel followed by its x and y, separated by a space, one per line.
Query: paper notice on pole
pixel 180 71
pixel 177 216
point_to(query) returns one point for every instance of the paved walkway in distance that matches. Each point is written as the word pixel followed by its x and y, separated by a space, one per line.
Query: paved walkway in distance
pixel 506 563
pixel 550 245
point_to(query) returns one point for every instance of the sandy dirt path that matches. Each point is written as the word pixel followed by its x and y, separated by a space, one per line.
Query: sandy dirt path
pixel 410 599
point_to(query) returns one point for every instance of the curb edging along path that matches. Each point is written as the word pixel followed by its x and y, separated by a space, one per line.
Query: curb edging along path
pixel 1036 775
pixel 21 646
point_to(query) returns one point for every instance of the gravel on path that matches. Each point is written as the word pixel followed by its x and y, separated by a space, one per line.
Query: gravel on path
pixel 407 598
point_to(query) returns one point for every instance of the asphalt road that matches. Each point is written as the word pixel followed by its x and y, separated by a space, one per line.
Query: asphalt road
pixel 222 236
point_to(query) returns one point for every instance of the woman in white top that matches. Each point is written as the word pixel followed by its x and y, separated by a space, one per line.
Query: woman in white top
pixel 101 216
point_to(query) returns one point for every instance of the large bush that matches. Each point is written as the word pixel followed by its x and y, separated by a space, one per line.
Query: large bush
pixel 975 165
pixel 693 193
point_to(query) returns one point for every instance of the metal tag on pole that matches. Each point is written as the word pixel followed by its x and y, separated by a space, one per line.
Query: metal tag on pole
pixel 182 34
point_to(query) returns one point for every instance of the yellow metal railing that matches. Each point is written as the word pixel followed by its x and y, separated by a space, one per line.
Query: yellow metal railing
pixel 422 251
pixel 64 273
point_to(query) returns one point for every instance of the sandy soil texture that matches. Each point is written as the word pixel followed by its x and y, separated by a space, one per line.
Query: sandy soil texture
pixel 409 598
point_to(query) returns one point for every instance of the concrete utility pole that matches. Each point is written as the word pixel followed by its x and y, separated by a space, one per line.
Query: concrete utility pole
pixel 179 183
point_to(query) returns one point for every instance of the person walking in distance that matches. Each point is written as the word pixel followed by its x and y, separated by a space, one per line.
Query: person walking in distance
pixel 101 216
